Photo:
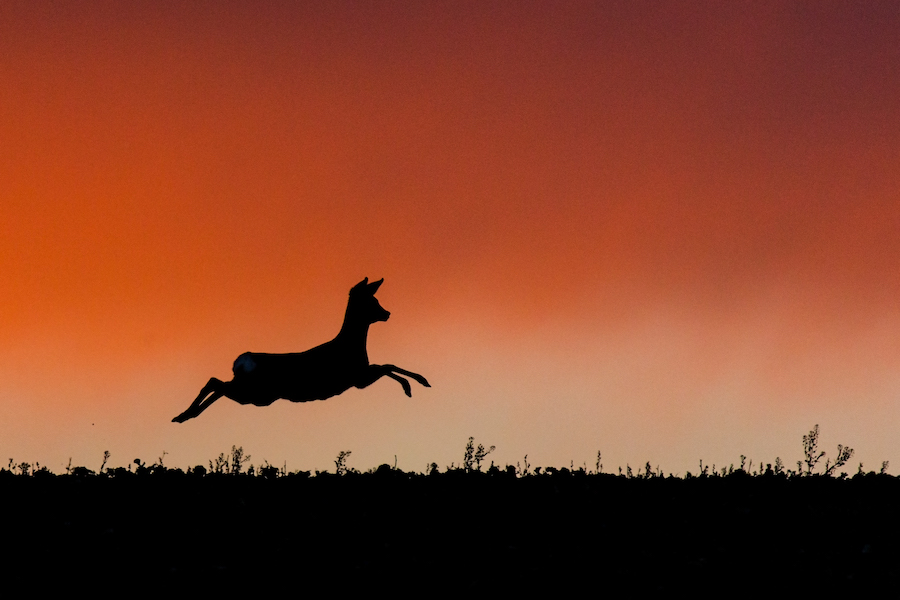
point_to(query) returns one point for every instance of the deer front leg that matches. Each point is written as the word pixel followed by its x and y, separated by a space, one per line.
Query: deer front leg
pixel 375 372
pixel 410 374
pixel 406 387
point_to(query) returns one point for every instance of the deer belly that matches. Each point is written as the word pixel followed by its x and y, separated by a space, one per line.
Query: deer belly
pixel 313 390
pixel 290 377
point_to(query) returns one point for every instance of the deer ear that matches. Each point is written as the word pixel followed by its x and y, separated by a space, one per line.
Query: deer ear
pixel 373 287
pixel 360 286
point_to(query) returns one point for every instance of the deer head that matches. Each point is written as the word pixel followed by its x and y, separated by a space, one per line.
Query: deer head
pixel 363 305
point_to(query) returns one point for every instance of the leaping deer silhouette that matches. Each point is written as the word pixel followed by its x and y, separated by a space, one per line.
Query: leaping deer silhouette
pixel 317 374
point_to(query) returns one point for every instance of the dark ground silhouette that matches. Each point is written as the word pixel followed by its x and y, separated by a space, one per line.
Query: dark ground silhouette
pixel 455 531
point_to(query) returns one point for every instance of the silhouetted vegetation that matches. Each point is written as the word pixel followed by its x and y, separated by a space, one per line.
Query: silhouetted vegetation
pixel 469 527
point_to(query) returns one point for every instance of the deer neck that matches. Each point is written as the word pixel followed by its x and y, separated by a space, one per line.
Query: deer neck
pixel 354 331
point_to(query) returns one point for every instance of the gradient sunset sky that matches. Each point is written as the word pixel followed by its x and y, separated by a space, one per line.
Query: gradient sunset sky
pixel 663 230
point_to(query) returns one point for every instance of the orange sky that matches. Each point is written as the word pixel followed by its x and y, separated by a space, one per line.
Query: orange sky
pixel 667 231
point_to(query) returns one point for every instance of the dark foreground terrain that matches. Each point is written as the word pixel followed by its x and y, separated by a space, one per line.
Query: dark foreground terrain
pixel 457 531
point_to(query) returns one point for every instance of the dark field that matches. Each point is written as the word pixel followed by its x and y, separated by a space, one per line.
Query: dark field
pixel 453 531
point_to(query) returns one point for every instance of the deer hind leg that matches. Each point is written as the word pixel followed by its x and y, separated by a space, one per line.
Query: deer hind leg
pixel 212 391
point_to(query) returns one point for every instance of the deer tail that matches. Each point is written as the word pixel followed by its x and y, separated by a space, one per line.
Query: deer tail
pixel 244 363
